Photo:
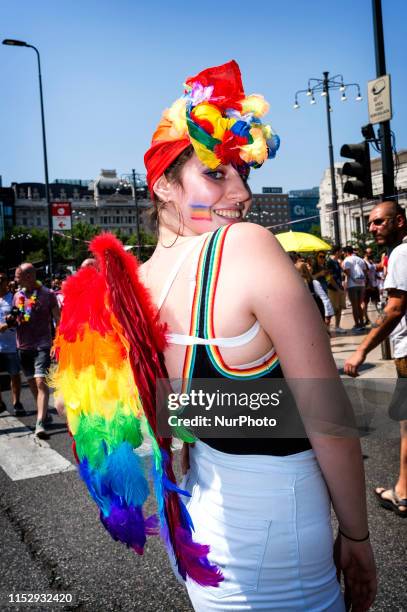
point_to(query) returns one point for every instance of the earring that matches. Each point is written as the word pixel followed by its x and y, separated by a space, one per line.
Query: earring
pixel 180 222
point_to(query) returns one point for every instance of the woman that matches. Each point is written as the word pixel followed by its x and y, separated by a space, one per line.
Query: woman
pixel 305 272
pixel 321 279
pixel 230 296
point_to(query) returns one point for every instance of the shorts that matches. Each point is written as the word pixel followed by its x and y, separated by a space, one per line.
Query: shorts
pixel 35 363
pixel 372 294
pixel 398 404
pixel 356 293
pixel 337 298
pixel 10 363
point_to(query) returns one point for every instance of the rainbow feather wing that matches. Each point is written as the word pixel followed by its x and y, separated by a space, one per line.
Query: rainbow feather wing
pixel 110 354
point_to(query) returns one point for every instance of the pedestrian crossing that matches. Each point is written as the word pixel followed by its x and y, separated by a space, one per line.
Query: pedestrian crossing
pixel 23 455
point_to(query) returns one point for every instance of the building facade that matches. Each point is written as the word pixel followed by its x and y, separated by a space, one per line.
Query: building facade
pixel 271 209
pixel 304 211
pixel 107 202
pixel 7 217
pixel 353 213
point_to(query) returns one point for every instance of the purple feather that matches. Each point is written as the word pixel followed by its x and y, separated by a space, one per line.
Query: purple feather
pixel 194 560
pixel 129 526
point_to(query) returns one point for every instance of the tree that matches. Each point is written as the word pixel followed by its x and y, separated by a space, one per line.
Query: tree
pixel 21 244
pixel 148 241
pixel 363 240
pixel 70 248
pixel 315 230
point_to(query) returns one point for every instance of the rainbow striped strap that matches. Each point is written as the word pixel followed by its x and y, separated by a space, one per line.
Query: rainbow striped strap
pixel 202 315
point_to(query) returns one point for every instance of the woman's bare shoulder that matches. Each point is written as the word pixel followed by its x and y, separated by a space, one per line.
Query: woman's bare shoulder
pixel 251 249
pixel 248 236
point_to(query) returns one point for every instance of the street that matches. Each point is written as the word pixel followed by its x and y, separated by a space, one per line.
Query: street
pixel 54 543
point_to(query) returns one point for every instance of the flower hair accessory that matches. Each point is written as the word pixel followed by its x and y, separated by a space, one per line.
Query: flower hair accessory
pixel 222 124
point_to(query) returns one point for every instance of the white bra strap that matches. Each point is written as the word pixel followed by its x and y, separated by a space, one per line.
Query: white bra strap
pixel 173 274
pixel 225 342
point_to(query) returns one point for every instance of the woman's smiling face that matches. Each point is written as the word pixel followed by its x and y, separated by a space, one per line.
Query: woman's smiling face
pixel 208 199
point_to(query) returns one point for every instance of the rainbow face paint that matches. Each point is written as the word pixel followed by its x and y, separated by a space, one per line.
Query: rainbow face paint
pixel 200 212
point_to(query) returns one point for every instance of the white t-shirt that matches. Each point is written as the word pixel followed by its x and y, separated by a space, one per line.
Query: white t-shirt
pixel 371 273
pixel 357 267
pixel 397 279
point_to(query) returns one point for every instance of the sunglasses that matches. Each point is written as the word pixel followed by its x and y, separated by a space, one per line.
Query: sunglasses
pixel 378 222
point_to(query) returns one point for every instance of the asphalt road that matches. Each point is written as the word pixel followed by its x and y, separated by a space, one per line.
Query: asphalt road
pixel 52 541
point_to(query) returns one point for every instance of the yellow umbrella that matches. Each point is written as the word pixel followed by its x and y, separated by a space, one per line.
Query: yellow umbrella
pixel 301 242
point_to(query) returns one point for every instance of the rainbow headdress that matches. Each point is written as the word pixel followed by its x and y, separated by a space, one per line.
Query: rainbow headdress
pixel 220 121
pixel 109 348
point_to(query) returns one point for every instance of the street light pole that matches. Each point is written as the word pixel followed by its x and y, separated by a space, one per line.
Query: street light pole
pixel 331 161
pixel 385 131
pixel 323 86
pixel 133 173
pixel 20 43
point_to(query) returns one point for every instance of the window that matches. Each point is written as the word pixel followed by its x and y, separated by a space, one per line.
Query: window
pixel 91 221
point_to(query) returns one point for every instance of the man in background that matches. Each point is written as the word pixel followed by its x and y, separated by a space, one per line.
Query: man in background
pixel 336 292
pixel 387 223
pixel 36 306
pixel 356 276
pixel 372 286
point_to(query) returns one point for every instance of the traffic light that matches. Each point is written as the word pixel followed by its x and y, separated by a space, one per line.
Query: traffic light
pixel 359 169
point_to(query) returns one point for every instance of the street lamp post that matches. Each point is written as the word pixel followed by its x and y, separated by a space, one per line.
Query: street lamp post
pixel 125 183
pixel 323 86
pixel 133 175
pixel 76 216
pixel 20 238
pixel 20 43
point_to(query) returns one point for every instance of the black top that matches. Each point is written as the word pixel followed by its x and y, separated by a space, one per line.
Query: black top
pixel 204 367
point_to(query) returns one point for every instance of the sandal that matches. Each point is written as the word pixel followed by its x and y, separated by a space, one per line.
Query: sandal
pixel 389 499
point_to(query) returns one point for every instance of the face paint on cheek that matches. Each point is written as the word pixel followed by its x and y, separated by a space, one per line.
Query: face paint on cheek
pixel 200 212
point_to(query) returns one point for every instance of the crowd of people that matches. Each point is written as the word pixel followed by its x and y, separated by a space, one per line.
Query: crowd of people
pixel 29 314
pixel 344 275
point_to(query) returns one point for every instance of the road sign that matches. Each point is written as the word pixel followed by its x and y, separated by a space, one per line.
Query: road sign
pixel 379 99
pixel 61 216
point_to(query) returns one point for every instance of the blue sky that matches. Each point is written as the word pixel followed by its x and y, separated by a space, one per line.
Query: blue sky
pixel 111 66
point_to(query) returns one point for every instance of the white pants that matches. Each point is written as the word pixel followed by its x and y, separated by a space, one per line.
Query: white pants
pixel 267 522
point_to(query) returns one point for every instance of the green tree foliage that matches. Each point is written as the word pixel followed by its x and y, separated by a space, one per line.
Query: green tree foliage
pixel 70 249
pixel 362 240
pixel 315 230
pixel 21 244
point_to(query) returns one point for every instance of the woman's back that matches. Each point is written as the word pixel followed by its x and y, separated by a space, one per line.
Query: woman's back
pixel 231 316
